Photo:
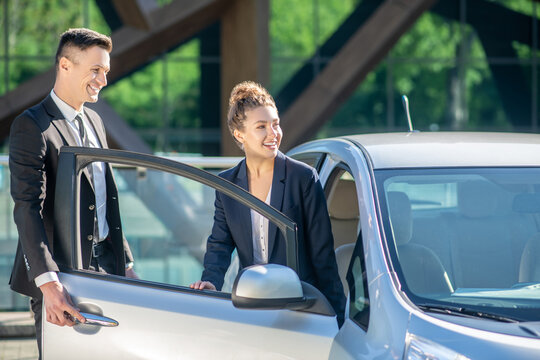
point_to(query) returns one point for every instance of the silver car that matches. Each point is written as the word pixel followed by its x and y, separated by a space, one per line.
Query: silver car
pixel 437 237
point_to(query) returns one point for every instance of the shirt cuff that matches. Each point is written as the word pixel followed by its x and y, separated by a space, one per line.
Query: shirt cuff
pixel 45 278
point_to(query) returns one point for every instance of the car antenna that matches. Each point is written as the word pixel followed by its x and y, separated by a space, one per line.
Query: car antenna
pixel 405 101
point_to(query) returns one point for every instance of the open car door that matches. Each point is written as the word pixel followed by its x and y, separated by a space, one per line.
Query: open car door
pixel 158 316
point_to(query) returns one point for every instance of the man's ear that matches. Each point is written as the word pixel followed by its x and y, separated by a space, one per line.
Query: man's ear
pixel 238 136
pixel 64 64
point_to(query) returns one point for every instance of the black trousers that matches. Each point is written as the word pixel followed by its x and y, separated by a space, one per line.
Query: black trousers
pixel 36 305
pixel 106 263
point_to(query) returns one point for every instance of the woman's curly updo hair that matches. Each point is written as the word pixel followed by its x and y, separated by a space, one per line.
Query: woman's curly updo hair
pixel 246 96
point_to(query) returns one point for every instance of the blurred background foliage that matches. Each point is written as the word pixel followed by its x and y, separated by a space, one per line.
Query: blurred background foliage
pixel 440 63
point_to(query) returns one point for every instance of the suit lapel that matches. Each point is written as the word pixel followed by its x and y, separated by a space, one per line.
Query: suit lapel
pixel 276 198
pixel 244 214
pixel 98 129
pixel 61 124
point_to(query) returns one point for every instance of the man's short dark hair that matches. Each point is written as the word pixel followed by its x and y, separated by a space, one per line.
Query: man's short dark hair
pixel 81 39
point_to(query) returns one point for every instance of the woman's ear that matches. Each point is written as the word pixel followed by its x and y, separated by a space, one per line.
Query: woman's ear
pixel 238 136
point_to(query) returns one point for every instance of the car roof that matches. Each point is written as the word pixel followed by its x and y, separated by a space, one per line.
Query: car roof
pixel 450 149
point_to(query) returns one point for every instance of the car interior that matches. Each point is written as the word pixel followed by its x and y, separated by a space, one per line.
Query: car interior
pixel 485 241
pixel 345 219
pixel 489 239
pixel 344 212
pixel 422 268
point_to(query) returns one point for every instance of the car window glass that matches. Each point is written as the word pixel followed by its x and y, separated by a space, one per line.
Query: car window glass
pixel 166 219
pixel 465 236
pixel 428 196
pixel 358 287
pixel 342 207
pixel 345 218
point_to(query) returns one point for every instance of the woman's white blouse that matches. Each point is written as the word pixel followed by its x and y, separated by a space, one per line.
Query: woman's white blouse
pixel 259 231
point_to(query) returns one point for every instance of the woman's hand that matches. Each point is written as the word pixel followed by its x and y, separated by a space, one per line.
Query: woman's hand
pixel 130 273
pixel 202 285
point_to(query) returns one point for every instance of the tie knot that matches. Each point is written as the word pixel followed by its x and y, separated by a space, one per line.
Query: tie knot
pixel 78 119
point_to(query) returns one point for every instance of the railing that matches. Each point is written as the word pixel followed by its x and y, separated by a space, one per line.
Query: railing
pixel 9 300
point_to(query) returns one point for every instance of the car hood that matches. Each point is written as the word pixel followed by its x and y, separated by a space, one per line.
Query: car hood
pixel 479 338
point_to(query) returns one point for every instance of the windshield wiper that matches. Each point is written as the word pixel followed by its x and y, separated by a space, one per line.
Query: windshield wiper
pixel 465 312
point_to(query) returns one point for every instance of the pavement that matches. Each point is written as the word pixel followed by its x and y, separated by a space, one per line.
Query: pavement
pixel 17 336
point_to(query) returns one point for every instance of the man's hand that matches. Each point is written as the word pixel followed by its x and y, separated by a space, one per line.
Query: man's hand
pixel 202 285
pixel 58 305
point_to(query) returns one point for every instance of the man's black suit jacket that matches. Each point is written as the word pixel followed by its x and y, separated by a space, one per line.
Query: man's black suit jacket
pixel 35 140
pixel 296 192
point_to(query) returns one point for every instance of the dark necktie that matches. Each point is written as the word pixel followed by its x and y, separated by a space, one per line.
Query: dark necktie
pixel 86 143
pixel 82 131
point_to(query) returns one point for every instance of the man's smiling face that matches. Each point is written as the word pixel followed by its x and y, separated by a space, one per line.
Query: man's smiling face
pixel 84 74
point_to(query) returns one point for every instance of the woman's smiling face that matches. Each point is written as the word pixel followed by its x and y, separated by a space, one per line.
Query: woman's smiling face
pixel 261 135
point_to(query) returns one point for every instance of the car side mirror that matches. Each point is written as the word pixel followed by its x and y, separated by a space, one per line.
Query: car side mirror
pixel 268 286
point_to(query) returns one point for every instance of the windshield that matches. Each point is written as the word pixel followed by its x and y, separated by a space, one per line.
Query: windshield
pixel 465 237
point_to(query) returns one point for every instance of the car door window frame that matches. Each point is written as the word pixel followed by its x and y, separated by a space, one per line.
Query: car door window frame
pixel 67 217
pixel 357 266
pixel 313 159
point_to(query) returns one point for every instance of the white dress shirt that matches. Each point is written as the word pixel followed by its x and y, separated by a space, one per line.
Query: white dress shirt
pixel 98 175
pixel 259 232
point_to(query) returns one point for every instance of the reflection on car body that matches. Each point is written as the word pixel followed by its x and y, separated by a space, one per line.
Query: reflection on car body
pixel 436 237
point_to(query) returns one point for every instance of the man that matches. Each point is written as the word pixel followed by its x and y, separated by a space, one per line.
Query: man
pixel 82 64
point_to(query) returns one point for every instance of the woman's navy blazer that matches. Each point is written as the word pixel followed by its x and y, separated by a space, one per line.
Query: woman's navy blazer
pixel 296 192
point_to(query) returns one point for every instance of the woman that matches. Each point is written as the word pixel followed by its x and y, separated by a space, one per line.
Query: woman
pixel 288 185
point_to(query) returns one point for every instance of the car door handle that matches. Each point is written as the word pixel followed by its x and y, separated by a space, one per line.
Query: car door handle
pixel 98 320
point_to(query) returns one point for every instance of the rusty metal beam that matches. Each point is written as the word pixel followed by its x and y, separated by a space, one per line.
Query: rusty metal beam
pixel 170 25
pixel 135 12
pixel 24 96
pixel 245 54
pixel 348 68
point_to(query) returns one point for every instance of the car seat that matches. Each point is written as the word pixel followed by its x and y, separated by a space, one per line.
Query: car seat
pixel 344 213
pixel 529 268
pixel 343 259
pixel 422 269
